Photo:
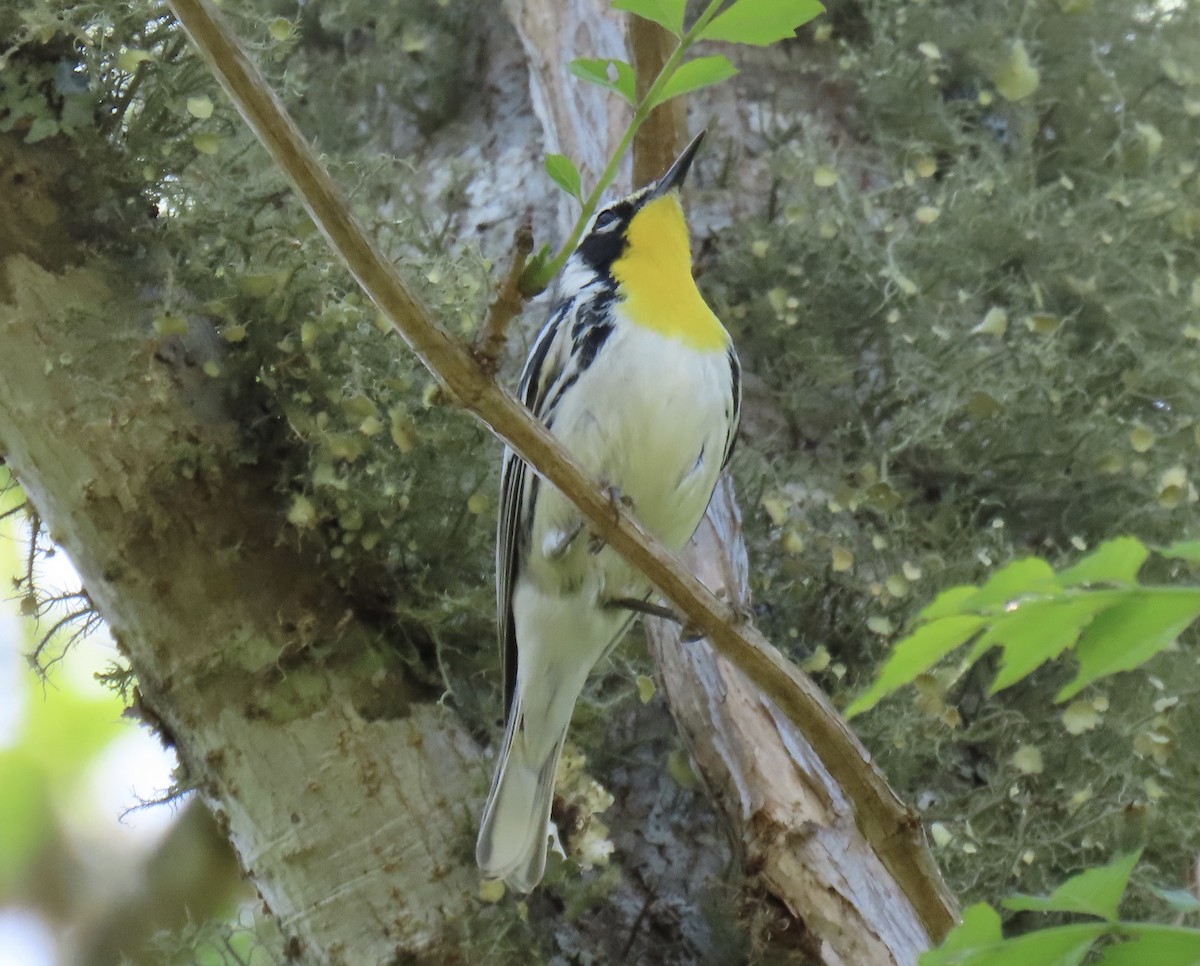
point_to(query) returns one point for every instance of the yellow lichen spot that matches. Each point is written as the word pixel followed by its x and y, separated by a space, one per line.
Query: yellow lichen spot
pixel 200 107
pixel 212 369
pixel 928 214
pixel 1141 439
pixel 371 426
pixel 823 33
pixel 1080 716
pixel 477 503
pixel 995 323
pixel 817 661
pixel 760 248
pixel 776 508
pixel 166 325
pixel 1173 488
pixel 880 625
pixel 1028 760
pixel 824 176
pixel 1040 323
pixel 302 513
pixel 926 167
pixel 491 890
pixel 897 585
pixel 679 767
pixel 234 333
pixel 1154 791
pixel 206 143
pixel 129 59
pixel 402 430
pixel 1016 78
pixel 842 559
pixel 911 571
pixel 792 543
pixel 280 29
pixel 929 50
pixel 941 835
pixel 645 688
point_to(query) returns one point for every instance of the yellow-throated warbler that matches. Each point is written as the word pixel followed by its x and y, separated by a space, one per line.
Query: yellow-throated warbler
pixel 639 380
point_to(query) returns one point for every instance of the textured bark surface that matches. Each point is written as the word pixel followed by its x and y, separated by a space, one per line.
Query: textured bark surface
pixel 796 829
pixel 346 795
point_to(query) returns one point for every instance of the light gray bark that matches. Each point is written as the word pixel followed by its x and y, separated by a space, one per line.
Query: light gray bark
pixel 347 797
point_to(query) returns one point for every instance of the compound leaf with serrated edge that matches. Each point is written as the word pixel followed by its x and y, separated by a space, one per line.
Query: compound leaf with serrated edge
pixel 1130 633
pixel 596 70
pixel 761 22
pixel 695 74
pixel 563 173
pixel 1094 892
pixel 916 654
pixel 666 13
pixel 1113 562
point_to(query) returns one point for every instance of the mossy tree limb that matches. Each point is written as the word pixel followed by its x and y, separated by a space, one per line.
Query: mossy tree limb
pixel 892 829
pixel 243 652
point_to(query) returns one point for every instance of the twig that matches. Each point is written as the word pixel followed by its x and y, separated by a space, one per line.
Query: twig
pixel 507 305
pixel 884 820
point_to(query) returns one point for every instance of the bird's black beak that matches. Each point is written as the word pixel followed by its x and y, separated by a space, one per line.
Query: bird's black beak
pixel 677 171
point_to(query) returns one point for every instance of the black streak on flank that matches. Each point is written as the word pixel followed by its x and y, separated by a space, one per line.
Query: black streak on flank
pixel 590 343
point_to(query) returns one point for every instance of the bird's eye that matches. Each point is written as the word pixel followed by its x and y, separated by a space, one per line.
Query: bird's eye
pixel 604 219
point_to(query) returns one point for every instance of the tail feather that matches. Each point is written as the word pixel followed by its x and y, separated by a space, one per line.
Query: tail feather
pixel 516 818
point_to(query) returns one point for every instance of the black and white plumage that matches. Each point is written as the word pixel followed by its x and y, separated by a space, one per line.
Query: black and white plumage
pixel 640 382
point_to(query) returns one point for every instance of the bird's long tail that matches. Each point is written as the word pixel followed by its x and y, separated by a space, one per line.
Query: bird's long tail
pixel 516 818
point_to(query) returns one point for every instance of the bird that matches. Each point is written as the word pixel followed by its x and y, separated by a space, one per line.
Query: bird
pixel 638 379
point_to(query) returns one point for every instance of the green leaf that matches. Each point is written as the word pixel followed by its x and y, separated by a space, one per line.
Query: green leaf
pixel 1182 550
pixel 949 602
pixel 1113 562
pixel 701 72
pixel 1018 579
pixel 980 927
pixel 563 173
pixel 1154 945
pixel 915 654
pixel 1062 946
pixel 1094 892
pixel 667 13
pixel 598 71
pixel 1130 633
pixel 761 22
pixel 1038 631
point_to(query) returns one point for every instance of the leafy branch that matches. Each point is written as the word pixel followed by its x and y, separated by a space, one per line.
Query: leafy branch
pixel 1096 607
pixel 889 827
pixel 1095 892
pixel 754 22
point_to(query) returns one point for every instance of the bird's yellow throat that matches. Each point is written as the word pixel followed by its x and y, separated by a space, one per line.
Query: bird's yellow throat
pixel 654 275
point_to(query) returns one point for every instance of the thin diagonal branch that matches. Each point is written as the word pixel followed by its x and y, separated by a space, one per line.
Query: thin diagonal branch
pixel 891 828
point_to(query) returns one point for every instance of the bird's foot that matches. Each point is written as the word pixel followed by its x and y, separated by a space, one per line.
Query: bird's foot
pixel 639 606
pixel 617 499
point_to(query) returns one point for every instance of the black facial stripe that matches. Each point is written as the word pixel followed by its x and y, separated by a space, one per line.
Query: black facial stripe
pixel 601 248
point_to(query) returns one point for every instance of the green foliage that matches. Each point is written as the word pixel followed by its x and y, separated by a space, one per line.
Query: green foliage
pixel 978 940
pixel 760 22
pixel 757 22
pixel 564 174
pixel 1035 615
pixel 967 321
